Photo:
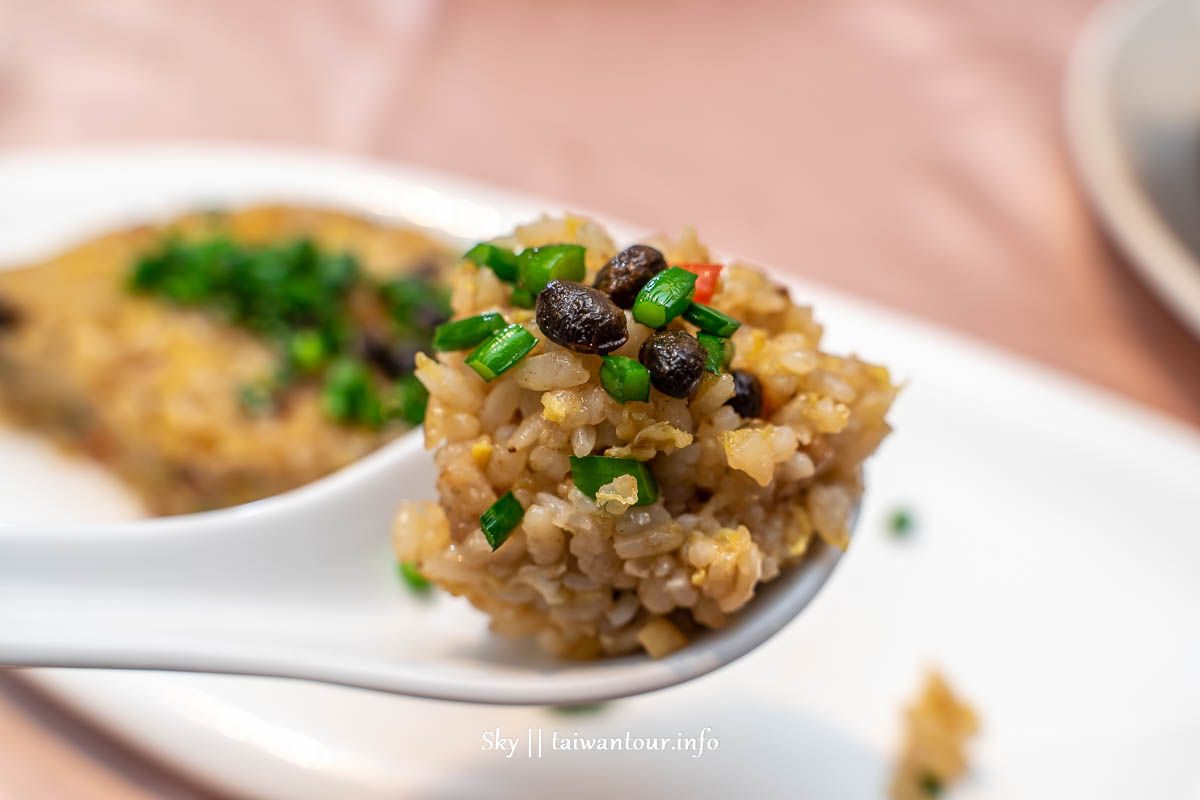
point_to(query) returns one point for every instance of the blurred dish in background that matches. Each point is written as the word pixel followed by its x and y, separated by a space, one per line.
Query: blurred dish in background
pixel 224 356
pixel 1133 121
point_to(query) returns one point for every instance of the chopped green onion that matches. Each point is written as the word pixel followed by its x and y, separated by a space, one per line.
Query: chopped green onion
pixel 710 320
pixel 523 298
pixel 410 573
pixel 592 472
pixel 148 272
pixel 930 784
pixel 414 400
pixel 500 519
pixel 407 401
pixel 348 395
pixel 337 271
pixel 664 297
pixel 720 352
pixel 540 265
pixel 346 382
pixel 307 350
pixel 306 301
pixel 469 332
pixel 901 522
pixel 625 379
pixel 501 352
pixel 501 261
pixel 415 303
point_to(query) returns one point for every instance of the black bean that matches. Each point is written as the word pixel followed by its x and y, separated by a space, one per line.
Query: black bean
pixel 625 275
pixel 9 315
pixel 675 360
pixel 747 394
pixel 580 318
pixel 393 360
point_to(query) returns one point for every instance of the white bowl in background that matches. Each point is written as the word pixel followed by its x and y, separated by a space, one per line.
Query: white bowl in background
pixel 1132 108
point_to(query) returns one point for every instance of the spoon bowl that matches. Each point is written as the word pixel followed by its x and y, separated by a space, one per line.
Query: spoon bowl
pixel 303 585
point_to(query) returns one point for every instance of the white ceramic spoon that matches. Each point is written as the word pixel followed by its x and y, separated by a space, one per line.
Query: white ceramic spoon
pixel 303 585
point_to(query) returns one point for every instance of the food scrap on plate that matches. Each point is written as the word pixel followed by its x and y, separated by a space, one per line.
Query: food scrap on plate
pixel 938 726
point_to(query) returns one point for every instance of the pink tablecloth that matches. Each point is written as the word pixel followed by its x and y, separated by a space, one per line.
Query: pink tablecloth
pixel 907 151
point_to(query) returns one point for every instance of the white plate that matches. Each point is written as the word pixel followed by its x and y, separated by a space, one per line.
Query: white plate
pixel 1053 575
pixel 1133 122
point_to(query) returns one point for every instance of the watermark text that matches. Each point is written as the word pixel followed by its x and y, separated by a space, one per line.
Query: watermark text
pixel 539 743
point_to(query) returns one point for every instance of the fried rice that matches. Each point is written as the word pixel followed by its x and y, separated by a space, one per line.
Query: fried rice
pixel 742 499
pixel 150 389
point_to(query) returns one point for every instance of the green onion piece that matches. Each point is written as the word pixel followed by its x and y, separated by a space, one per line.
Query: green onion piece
pixel 901 522
pixel 307 350
pixel 625 379
pixel 540 265
pixel 500 261
pixel 664 297
pixel 370 412
pixel 523 298
pixel 337 271
pixel 710 320
pixel 410 573
pixel 464 333
pixel 500 519
pixel 720 352
pixel 592 472
pixel 501 352
pixel 415 399
pixel 407 401
pixel 930 784
pixel 411 301
pixel 348 395
pixel 304 301
pixel 148 272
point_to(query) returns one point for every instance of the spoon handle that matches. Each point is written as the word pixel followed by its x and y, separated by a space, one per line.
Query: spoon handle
pixel 152 592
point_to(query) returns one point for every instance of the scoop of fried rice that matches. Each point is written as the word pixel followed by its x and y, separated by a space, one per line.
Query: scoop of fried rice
pixel 741 499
